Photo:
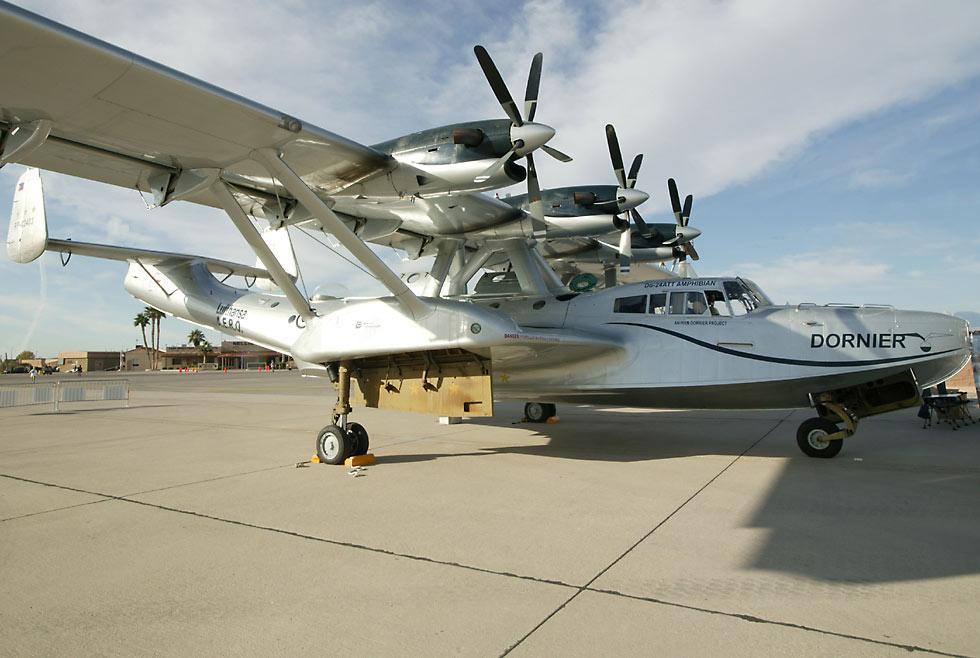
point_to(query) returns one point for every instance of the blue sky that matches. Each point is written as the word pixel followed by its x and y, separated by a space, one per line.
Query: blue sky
pixel 831 147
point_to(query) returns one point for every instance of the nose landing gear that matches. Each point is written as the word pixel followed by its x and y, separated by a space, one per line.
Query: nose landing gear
pixel 539 412
pixel 812 437
pixel 340 440
pixel 821 437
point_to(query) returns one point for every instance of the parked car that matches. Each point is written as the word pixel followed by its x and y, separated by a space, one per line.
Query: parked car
pixel 19 369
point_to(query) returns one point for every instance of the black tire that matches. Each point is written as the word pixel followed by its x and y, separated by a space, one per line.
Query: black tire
pixel 539 412
pixel 359 438
pixel 810 438
pixel 332 445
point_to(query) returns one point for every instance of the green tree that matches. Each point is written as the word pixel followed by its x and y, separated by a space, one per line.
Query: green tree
pixel 141 321
pixel 155 316
pixel 205 349
pixel 25 355
pixel 197 339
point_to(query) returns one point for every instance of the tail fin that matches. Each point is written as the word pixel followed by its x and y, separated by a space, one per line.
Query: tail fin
pixel 282 247
pixel 27 235
pixel 27 238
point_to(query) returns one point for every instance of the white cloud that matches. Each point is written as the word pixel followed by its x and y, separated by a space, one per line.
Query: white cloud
pixel 828 276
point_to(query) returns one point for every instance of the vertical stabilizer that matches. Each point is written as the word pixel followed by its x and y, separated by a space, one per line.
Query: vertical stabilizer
pixel 27 234
pixel 282 247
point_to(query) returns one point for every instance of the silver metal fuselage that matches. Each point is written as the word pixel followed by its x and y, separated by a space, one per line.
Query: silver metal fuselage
pixel 771 357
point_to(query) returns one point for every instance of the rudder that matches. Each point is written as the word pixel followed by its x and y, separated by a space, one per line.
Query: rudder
pixel 27 234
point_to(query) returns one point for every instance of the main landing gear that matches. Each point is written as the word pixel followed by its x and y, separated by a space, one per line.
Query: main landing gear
pixel 340 440
pixel 821 437
pixel 539 412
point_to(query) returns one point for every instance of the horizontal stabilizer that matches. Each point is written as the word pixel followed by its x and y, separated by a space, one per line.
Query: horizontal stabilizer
pixel 151 257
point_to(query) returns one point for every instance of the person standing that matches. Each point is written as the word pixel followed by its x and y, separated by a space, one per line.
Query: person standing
pixel 33 374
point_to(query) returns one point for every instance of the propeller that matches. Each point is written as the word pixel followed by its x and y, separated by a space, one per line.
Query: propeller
pixel 683 216
pixel 627 198
pixel 525 136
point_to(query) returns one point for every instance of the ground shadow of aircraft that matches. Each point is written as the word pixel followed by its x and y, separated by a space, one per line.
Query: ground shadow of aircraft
pixel 901 505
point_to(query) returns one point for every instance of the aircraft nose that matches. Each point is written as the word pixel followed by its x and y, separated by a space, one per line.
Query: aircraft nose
pixel 630 198
pixel 530 136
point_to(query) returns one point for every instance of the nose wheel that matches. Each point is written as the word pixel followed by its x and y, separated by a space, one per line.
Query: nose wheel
pixel 813 438
pixel 539 412
pixel 340 440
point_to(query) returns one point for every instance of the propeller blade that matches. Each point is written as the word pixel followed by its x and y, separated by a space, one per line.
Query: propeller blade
pixel 675 200
pixel 492 170
pixel 625 250
pixel 686 212
pixel 533 82
pixel 497 84
pixel 691 251
pixel 634 170
pixel 615 155
pixel 556 154
pixel 641 225
pixel 535 206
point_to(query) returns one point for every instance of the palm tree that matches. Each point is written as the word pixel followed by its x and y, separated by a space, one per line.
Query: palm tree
pixel 155 317
pixel 205 349
pixel 141 321
pixel 197 339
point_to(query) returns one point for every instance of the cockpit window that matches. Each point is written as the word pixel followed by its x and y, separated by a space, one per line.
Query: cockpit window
pixel 745 296
pixel 633 304
pixel 658 303
pixel 757 291
pixel 716 303
pixel 688 303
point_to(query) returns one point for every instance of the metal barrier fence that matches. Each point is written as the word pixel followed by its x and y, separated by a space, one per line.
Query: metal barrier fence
pixel 56 392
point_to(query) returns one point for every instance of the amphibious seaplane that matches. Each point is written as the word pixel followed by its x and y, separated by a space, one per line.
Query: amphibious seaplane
pixel 74 105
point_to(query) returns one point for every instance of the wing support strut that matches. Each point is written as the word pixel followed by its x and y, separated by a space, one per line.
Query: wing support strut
pixel 261 249
pixel 440 269
pixel 415 307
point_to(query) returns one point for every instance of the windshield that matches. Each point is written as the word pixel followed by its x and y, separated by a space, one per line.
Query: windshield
pixel 745 296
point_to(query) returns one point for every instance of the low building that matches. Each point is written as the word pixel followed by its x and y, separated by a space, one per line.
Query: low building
pixel 184 356
pixel 90 361
pixel 243 355
pixel 140 358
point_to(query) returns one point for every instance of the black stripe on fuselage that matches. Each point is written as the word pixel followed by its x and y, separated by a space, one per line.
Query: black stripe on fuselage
pixel 777 359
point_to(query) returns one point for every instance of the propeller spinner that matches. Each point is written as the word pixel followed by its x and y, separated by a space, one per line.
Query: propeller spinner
pixel 685 234
pixel 525 135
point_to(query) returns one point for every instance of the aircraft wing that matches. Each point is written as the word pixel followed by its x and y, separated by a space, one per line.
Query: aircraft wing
pixel 118 118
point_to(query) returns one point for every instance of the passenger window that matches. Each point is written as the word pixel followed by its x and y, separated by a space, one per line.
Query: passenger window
pixel 688 303
pixel 658 303
pixel 677 303
pixel 716 303
pixel 634 304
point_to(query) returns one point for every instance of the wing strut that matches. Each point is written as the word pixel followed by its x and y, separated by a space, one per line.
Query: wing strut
pixel 261 249
pixel 302 193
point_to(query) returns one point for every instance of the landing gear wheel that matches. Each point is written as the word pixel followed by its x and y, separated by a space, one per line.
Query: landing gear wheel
pixel 539 412
pixel 812 438
pixel 332 445
pixel 359 438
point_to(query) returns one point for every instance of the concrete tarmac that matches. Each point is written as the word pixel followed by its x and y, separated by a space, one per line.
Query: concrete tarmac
pixel 182 526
